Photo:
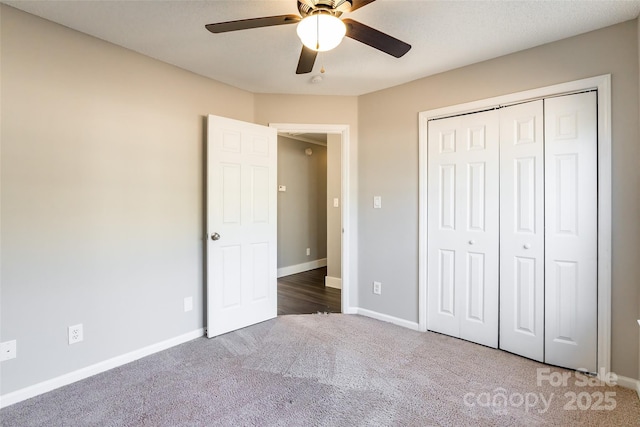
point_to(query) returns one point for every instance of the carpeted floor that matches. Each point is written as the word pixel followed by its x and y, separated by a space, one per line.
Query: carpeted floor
pixel 330 370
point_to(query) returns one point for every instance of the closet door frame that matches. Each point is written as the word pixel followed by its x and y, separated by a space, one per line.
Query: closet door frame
pixel 603 85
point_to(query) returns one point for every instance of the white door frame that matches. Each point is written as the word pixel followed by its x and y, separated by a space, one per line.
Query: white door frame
pixel 349 233
pixel 603 85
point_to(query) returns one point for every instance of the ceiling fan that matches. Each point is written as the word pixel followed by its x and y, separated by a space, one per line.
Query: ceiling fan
pixel 320 29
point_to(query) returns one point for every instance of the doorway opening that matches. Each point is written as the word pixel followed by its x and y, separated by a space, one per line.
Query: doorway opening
pixel 309 223
pixel 343 277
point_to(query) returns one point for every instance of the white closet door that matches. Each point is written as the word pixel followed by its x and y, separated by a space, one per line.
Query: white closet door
pixel 522 230
pixel 571 231
pixel 445 138
pixel 463 197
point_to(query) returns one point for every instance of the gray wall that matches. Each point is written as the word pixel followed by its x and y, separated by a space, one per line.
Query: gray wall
pixel 102 196
pixel 334 218
pixel 388 165
pixel 302 215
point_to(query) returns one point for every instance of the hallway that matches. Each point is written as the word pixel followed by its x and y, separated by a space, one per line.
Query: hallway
pixel 305 293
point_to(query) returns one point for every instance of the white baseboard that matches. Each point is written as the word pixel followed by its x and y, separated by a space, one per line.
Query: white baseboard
pixel 631 383
pixel 333 282
pixel 45 386
pixel 299 268
pixel 386 318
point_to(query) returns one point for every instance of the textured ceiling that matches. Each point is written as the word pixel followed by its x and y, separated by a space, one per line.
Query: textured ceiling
pixel 444 35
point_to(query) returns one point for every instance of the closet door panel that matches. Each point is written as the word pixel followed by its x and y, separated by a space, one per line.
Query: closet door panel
pixel 478 199
pixel 571 231
pixel 462 242
pixel 522 230
pixel 442 223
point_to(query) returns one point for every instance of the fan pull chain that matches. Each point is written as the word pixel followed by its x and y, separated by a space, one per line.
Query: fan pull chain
pixel 317 31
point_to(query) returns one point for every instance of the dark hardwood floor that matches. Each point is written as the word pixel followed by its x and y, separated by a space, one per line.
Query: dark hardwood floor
pixel 305 293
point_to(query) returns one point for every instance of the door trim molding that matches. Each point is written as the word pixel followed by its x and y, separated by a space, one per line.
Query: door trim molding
pixel 350 233
pixel 603 85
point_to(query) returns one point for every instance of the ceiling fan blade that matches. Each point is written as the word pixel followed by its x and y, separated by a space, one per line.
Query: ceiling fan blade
pixel 306 61
pixel 245 24
pixel 357 4
pixel 375 38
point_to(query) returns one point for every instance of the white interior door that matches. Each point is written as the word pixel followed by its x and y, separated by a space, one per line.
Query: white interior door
pixel 463 222
pixel 522 230
pixel 571 206
pixel 241 224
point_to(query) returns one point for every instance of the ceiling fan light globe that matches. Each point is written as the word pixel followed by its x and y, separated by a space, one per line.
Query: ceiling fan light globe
pixel 321 31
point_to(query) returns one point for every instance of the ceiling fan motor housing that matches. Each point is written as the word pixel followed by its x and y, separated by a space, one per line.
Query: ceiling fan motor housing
pixel 334 7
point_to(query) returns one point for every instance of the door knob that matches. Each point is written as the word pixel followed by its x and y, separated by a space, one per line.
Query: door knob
pixel 471 242
pixel 526 246
pixel 215 236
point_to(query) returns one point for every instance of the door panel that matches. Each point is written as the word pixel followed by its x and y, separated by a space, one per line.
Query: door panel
pixel 478 241
pixel 448 197
pixel 475 287
pixel 463 228
pixel 241 209
pixel 476 204
pixel 525 288
pixel 571 231
pixel 443 249
pixel 447 284
pixel 522 230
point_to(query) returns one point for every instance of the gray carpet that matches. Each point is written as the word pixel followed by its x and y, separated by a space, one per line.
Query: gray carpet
pixel 326 370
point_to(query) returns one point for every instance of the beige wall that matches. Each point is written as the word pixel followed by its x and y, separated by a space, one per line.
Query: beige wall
pixel 302 213
pixel 102 196
pixel 388 165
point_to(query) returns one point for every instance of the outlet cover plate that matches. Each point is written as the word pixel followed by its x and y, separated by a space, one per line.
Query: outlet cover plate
pixel 8 350
pixel 377 288
pixel 188 304
pixel 75 334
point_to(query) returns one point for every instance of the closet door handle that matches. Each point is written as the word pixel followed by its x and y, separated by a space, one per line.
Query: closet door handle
pixel 471 242
pixel 526 246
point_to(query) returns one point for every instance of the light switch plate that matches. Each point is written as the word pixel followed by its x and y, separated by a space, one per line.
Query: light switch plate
pixel 336 202
pixel 377 202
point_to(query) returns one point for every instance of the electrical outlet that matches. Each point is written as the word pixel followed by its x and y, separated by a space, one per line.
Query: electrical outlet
pixel 188 304
pixel 377 288
pixel 308 251
pixel 8 350
pixel 75 334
